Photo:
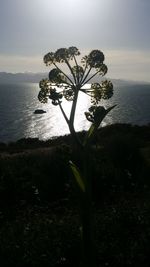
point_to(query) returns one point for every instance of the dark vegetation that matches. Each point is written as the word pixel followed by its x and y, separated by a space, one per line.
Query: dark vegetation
pixel 39 218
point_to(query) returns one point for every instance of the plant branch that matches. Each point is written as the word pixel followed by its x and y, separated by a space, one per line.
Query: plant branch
pixel 73 108
pixel 84 82
pixel 71 120
pixel 77 68
pixel 84 72
pixel 86 91
pixel 64 114
pixel 67 62
pixel 71 83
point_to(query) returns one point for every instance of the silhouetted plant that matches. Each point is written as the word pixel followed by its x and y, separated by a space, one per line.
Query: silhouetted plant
pixel 62 85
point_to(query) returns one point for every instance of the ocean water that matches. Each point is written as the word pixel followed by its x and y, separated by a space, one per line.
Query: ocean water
pixel 19 101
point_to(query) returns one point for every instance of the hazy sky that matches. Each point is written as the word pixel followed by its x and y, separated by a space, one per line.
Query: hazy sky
pixel 120 28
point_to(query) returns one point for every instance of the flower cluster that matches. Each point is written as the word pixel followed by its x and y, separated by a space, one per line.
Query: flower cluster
pixel 73 51
pixel 44 92
pixel 95 59
pixel 61 55
pixel 55 96
pixel 95 113
pixel 56 76
pixel 49 58
pixel 61 85
pixel 106 89
pixel 103 90
pixel 49 91
pixel 102 69
pixel 78 71
pixel 68 94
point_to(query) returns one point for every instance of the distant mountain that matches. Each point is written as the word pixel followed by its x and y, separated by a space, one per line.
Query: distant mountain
pixel 29 77
pixel 9 78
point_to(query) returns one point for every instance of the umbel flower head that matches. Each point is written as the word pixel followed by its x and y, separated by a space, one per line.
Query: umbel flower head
pixel 97 113
pixel 56 76
pixel 61 55
pixel 94 112
pixel 73 51
pixel 67 84
pixel 95 59
pixel 49 58
pixel 103 90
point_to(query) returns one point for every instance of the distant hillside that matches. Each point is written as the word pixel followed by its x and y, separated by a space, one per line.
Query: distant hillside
pixel 21 77
pixel 30 77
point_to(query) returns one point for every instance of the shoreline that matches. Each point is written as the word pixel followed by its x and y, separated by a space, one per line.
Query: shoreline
pixel 33 142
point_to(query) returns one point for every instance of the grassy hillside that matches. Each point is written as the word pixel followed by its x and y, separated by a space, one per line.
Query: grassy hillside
pixel 39 219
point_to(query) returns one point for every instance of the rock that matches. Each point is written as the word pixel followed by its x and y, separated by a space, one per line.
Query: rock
pixel 39 111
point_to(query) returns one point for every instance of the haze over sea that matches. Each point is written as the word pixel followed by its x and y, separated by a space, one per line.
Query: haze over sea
pixel 19 101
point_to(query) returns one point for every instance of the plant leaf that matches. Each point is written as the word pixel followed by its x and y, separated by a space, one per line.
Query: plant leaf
pixel 77 176
pixel 89 133
pixel 101 114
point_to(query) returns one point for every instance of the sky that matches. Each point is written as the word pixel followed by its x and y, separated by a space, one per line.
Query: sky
pixel 120 28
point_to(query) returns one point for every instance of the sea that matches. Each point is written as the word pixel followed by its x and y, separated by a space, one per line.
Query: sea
pixel 19 101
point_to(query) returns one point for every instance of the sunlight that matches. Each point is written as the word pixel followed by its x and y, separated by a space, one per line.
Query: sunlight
pixel 66 4
pixel 79 13
pixel 81 123
pixel 60 7
pixel 72 3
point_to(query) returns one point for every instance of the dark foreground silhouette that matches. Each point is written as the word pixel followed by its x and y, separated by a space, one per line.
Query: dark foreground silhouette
pixel 39 207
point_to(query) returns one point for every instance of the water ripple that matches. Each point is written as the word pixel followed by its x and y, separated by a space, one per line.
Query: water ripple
pixel 18 102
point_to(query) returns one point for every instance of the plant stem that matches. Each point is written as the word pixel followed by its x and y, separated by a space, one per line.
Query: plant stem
pixel 83 72
pixel 64 74
pixel 77 69
pixel 64 114
pixel 74 103
pixel 84 82
pixel 88 257
pixel 67 62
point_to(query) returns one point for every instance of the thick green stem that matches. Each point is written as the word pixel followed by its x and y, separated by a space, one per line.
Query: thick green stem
pixel 72 116
pixel 75 137
pixel 86 234
pixel 88 255
pixel 74 104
